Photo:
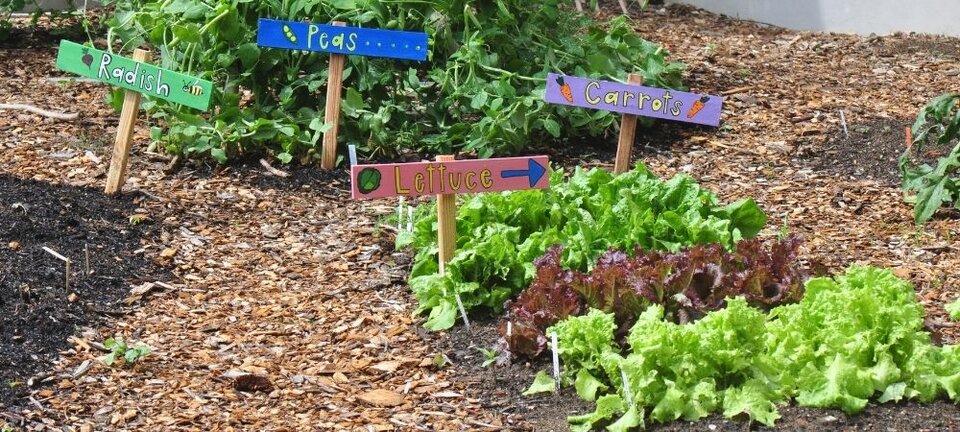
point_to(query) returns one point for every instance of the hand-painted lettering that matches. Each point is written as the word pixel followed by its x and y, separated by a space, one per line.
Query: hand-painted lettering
pixel 592 100
pixel 396 180
pixel 634 99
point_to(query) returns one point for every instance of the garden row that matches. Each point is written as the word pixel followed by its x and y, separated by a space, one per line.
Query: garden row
pixel 664 305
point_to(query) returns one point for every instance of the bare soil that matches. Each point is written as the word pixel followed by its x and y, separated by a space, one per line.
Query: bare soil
pixel 37 312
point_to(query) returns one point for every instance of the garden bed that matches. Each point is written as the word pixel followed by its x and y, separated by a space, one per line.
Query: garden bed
pixel 288 278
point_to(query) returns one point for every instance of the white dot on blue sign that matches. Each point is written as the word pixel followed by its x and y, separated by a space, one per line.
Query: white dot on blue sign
pixel 393 45
pixel 418 47
pixel 368 42
pixel 379 44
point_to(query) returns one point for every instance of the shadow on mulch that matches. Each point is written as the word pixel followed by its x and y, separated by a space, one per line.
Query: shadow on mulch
pixel 36 313
pixel 871 152
pixel 335 183
pixel 663 137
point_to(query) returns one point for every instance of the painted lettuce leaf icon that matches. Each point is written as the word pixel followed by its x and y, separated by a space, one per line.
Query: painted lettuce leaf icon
pixel 368 180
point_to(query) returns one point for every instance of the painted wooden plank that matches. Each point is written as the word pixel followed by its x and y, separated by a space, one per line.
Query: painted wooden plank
pixel 144 78
pixel 296 35
pixel 633 99
pixel 455 177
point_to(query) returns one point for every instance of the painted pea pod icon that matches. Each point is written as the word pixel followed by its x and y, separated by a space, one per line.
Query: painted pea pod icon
pixel 289 34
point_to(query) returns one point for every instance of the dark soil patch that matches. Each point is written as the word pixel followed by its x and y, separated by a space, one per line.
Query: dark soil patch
pixel 502 386
pixel 36 316
pixel 333 183
pixel 937 46
pixel 870 152
pixel 47 32
pixel 936 416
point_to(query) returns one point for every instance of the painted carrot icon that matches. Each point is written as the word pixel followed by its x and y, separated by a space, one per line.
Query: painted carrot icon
pixel 697 106
pixel 565 90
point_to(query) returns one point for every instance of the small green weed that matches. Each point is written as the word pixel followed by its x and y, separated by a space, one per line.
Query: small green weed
pixel 489 355
pixel 119 348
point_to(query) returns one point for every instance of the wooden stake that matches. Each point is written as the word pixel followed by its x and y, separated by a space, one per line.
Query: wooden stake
pixel 447 234
pixel 447 223
pixel 121 148
pixel 66 282
pixel 628 131
pixel 623 6
pixel 86 258
pixel 66 278
pixel 332 113
pixel 909 138
pixel 556 360
pixel 579 6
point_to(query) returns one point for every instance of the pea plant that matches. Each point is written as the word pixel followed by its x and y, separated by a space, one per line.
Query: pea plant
pixel 937 123
pixel 479 92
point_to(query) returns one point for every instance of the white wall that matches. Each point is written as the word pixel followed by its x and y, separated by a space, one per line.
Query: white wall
pixel 845 16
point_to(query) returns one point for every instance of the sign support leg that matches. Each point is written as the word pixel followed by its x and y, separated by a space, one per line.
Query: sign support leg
pixel 117 175
pixel 446 223
pixel 332 113
pixel 628 131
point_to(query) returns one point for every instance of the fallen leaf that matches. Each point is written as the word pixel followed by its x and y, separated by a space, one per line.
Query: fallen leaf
pixel 382 397
pixel 388 366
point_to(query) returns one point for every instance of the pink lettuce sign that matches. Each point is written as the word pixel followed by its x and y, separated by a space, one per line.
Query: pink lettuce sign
pixel 454 177
pixel 633 99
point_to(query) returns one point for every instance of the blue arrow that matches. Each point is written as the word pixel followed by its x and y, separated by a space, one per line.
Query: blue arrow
pixel 534 172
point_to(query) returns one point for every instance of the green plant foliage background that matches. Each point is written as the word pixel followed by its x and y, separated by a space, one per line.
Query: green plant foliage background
pixel 480 91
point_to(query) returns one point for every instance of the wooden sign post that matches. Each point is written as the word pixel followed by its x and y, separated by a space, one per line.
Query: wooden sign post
pixel 628 132
pixel 339 40
pixel 138 77
pixel 632 100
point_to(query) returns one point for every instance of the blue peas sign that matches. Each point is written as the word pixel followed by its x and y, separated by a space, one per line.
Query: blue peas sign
pixel 295 35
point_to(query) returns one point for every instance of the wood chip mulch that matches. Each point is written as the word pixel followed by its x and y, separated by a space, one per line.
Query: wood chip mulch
pixel 289 309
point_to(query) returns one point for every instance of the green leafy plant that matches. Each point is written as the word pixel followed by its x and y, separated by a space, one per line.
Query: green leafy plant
pixel 499 235
pixel 852 338
pixel 119 349
pixel 490 356
pixel 953 309
pixel 688 284
pixel 479 92
pixel 938 122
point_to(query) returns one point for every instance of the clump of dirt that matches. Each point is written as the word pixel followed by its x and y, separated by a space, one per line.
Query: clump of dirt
pixel 37 314
pixel 870 152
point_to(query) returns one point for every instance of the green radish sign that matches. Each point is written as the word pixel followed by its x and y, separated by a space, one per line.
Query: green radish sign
pixel 143 78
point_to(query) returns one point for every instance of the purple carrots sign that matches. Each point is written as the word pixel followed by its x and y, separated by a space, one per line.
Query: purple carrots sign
pixel 634 99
